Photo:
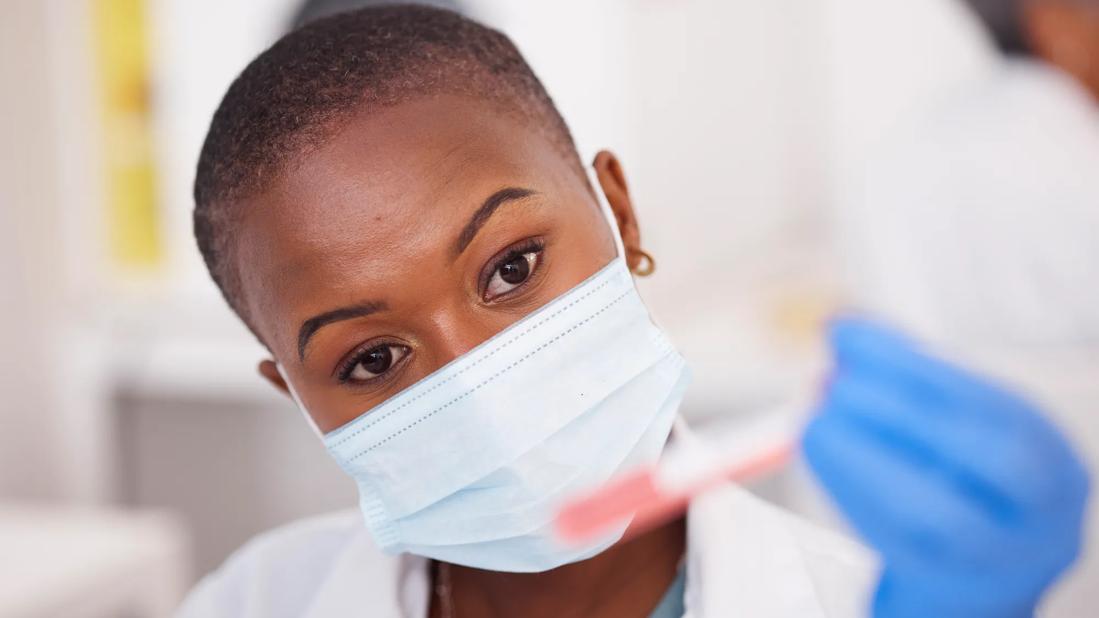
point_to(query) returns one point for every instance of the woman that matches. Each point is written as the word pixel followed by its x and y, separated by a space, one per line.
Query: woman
pixel 391 202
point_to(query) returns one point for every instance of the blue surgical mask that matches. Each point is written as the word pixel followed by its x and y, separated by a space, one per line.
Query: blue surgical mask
pixel 468 465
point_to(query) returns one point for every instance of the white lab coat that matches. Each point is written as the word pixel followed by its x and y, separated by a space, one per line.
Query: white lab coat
pixel 975 224
pixel 745 557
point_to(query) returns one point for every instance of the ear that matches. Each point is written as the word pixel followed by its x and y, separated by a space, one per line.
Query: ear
pixel 612 180
pixel 268 370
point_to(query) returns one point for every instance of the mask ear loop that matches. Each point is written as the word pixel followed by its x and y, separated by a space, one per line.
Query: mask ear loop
pixel 648 264
pixel 297 402
pixel 608 214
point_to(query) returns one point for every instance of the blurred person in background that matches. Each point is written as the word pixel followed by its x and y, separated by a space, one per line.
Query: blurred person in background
pixel 1062 34
pixel 391 202
pixel 974 224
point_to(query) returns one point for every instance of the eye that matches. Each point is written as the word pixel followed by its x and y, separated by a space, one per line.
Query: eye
pixel 511 272
pixel 372 362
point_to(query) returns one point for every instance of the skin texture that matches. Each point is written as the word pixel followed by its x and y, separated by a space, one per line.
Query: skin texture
pixel 1066 33
pixel 374 217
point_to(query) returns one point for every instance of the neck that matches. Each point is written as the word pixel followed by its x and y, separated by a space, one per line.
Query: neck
pixel 625 581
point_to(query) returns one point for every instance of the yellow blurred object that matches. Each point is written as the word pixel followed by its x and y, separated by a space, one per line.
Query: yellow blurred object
pixel 121 53
pixel 797 315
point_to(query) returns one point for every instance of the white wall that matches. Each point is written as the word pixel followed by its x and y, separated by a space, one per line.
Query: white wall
pixel 29 212
pixel 724 103
pixel 54 443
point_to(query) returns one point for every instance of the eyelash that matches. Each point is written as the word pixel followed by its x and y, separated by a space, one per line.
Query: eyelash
pixel 347 366
pixel 530 245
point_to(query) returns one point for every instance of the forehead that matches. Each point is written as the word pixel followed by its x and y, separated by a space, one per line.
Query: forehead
pixel 391 185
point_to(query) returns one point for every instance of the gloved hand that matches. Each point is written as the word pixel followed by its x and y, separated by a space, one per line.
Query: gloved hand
pixel 973 499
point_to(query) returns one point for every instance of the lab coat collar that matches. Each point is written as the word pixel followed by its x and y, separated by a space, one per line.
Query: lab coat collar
pixel 742 560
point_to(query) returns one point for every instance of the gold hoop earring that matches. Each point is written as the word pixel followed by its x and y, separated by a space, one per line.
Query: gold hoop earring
pixel 646 266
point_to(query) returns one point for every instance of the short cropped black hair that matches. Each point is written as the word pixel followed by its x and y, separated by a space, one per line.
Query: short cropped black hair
pixel 298 92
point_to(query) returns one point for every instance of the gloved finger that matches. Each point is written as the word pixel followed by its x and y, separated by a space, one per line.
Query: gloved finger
pixel 1014 464
pixel 1045 528
pixel 971 454
pixel 861 346
pixel 948 594
pixel 909 515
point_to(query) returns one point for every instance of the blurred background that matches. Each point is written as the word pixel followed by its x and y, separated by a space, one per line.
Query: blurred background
pixel 789 158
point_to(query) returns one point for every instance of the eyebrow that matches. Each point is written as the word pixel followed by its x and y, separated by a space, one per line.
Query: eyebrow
pixel 479 218
pixel 476 222
pixel 315 323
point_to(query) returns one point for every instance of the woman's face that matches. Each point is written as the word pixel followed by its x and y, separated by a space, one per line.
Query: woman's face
pixel 415 234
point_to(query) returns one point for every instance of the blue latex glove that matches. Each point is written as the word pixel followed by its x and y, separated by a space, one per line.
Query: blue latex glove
pixel 973 499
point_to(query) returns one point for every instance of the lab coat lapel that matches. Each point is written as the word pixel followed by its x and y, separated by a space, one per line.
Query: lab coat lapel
pixel 741 561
